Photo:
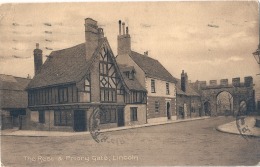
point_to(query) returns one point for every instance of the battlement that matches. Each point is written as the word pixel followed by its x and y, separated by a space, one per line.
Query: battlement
pixel 248 82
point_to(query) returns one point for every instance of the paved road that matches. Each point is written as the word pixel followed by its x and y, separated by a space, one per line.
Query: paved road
pixel 186 143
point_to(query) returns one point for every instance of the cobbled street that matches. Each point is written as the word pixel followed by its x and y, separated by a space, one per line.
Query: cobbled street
pixel 185 143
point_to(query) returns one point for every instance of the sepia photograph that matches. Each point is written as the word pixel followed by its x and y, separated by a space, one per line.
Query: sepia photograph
pixel 137 83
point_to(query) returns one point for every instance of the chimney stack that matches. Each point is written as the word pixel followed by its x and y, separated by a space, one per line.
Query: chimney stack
pixel 184 81
pixel 123 40
pixel 92 36
pixel 37 59
pixel 123 24
pixel 119 27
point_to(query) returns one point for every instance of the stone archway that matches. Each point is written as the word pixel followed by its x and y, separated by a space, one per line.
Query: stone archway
pixel 224 104
pixel 207 108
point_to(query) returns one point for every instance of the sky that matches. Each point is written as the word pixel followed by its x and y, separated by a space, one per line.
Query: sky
pixel 209 40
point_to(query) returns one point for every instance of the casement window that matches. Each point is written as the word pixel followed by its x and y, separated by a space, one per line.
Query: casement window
pixel 167 88
pixel 87 89
pixel 121 90
pixel 152 86
pixel 133 113
pixel 41 116
pixel 63 94
pixel 157 106
pixel 107 116
pixel 62 118
pixel 108 78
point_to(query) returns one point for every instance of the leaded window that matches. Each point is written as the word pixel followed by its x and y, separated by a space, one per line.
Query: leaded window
pixel 63 118
pixel 108 77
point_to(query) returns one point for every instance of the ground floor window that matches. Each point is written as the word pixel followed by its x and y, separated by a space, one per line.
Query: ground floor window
pixel 107 116
pixel 41 116
pixel 157 106
pixel 133 113
pixel 63 118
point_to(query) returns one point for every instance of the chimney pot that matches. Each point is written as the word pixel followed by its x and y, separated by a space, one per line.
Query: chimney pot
pixel 119 27
pixel 37 45
pixel 123 28
pixel 126 30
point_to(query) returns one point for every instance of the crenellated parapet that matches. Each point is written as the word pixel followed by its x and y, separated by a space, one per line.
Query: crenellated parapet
pixel 224 83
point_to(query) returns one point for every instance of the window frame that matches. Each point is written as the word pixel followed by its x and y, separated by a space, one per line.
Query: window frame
pixel 107 113
pixel 153 90
pixel 167 88
pixel 61 94
pixel 157 106
pixel 59 119
pixel 133 114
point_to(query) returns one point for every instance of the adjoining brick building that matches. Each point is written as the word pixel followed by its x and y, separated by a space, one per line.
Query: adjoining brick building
pixel 73 82
pixel 13 102
pixel 188 99
pixel 150 73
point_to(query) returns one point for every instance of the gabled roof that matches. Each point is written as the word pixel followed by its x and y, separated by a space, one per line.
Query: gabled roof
pixel 190 91
pixel 152 68
pixel 68 66
pixel 12 92
pixel 62 66
pixel 132 84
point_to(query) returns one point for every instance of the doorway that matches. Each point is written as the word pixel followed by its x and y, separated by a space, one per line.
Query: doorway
pixel 79 120
pixel 120 117
pixel 168 109
pixel 207 109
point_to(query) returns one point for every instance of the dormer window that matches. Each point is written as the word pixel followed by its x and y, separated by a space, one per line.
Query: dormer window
pixel 130 74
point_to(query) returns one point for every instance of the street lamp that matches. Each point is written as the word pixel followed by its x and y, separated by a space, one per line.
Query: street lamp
pixel 256 54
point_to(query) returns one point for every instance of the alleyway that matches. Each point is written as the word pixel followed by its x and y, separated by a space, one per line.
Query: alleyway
pixel 185 143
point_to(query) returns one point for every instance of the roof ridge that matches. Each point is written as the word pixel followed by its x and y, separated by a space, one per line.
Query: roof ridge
pixel 14 76
pixel 68 48
pixel 145 56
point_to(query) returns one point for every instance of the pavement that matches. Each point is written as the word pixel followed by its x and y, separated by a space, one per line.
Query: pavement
pixel 246 128
pixel 33 133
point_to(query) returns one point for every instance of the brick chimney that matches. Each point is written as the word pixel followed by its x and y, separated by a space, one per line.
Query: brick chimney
pixel 184 81
pixel 37 59
pixel 92 36
pixel 123 40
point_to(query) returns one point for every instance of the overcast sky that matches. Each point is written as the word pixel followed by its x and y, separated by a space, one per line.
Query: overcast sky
pixel 209 40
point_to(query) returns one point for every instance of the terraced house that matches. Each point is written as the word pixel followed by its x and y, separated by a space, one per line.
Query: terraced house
pixel 150 73
pixel 73 82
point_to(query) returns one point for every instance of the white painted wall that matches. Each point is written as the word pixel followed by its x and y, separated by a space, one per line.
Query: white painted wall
pixel 160 88
pixel 126 59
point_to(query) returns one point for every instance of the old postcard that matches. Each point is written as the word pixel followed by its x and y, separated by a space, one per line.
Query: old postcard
pixel 130 83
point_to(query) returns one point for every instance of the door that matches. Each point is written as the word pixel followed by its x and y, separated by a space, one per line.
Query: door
pixel 168 110
pixel 185 110
pixel 207 108
pixel 79 120
pixel 120 117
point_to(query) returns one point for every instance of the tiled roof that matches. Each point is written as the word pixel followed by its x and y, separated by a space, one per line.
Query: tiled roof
pixel 190 91
pixel 63 66
pixel 66 66
pixel 132 84
pixel 152 68
pixel 12 92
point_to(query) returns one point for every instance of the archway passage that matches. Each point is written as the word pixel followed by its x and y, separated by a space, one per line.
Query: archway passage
pixel 242 108
pixel 225 104
pixel 207 109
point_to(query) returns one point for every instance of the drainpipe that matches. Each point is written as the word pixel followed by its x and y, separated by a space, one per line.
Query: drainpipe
pixel 49 121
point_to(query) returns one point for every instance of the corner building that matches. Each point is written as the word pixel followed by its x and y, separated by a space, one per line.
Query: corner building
pixel 73 82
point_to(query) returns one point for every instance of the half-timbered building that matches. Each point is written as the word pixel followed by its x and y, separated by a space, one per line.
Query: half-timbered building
pixel 74 82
